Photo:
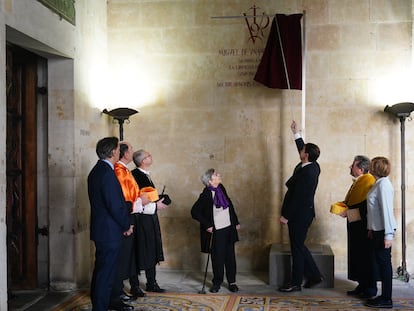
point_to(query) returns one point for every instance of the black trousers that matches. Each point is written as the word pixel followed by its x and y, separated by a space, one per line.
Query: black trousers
pixel 382 257
pixel 360 266
pixel 303 264
pixel 124 268
pixel 223 256
pixel 104 273
pixel 150 275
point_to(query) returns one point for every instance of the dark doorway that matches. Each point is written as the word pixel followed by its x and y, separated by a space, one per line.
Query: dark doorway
pixel 21 157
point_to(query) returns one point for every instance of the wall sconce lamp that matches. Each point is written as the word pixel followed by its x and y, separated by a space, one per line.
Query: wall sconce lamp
pixel 121 115
pixel 402 111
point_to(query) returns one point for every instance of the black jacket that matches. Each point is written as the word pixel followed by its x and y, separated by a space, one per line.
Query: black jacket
pixel 202 211
pixel 298 204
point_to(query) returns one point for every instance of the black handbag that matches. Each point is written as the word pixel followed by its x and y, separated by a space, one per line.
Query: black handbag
pixel 166 197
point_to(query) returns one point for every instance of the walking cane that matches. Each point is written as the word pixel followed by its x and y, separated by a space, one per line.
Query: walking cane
pixel 202 291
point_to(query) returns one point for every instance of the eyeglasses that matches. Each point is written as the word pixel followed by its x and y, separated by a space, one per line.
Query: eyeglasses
pixel 148 156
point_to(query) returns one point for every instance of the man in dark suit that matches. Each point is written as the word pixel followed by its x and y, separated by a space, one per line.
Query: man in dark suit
pixel 298 212
pixel 148 230
pixel 109 223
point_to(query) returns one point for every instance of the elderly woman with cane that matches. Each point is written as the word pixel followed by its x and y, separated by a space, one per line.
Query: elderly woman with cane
pixel 218 229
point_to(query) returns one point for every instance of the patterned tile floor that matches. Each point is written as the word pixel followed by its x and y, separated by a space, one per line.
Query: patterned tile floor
pixel 191 283
pixel 235 302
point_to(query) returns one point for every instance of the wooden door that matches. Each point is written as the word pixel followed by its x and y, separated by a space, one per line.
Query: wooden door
pixel 21 169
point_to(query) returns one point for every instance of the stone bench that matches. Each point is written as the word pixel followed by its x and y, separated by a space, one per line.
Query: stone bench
pixel 280 264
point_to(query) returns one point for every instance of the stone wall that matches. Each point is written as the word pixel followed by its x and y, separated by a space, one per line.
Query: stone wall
pixel 76 59
pixel 190 74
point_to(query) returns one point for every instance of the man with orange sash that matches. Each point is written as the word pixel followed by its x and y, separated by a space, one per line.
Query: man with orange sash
pixel 359 269
pixel 134 200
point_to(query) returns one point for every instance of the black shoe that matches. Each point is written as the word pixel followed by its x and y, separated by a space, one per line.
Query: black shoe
pixel 120 306
pixel 364 295
pixel 233 287
pixel 355 292
pixel 137 292
pixel 155 288
pixel 126 298
pixel 380 303
pixel 290 288
pixel 312 282
pixel 215 288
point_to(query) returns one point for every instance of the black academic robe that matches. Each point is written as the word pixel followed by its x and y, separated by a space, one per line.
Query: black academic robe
pixel 148 231
pixel 359 261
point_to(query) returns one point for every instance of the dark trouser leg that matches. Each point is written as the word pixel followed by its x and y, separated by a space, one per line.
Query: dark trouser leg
pixel 150 274
pixel 311 270
pixel 230 263
pixel 118 287
pixel 302 260
pixel 106 258
pixel 370 273
pixel 359 261
pixel 383 259
pixel 133 281
pixel 218 255
pixel 117 291
pixel 124 268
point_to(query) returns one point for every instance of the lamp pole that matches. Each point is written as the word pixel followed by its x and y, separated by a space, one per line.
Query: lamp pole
pixel 121 128
pixel 120 115
pixel 402 111
pixel 402 271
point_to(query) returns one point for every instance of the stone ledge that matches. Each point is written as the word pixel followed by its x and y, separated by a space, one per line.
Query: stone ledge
pixel 280 264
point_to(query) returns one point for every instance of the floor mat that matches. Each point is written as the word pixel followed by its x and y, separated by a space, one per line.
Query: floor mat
pixel 266 303
pixel 210 302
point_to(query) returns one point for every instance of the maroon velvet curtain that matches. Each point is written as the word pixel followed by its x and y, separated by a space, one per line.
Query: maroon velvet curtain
pixel 271 71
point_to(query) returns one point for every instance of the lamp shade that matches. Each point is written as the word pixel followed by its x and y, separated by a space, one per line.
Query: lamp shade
pixel 120 113
pixel 400 110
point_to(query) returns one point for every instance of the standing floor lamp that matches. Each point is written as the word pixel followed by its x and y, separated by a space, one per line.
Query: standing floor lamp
pixel 402 111
pixel 121 115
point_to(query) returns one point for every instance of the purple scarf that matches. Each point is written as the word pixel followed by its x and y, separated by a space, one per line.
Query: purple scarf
pixel 220 199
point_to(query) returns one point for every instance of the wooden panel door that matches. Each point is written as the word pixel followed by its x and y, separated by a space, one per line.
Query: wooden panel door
pixel 21 190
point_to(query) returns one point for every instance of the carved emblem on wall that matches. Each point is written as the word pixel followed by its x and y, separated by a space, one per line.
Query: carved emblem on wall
pixel 257 24
pixel 64 8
